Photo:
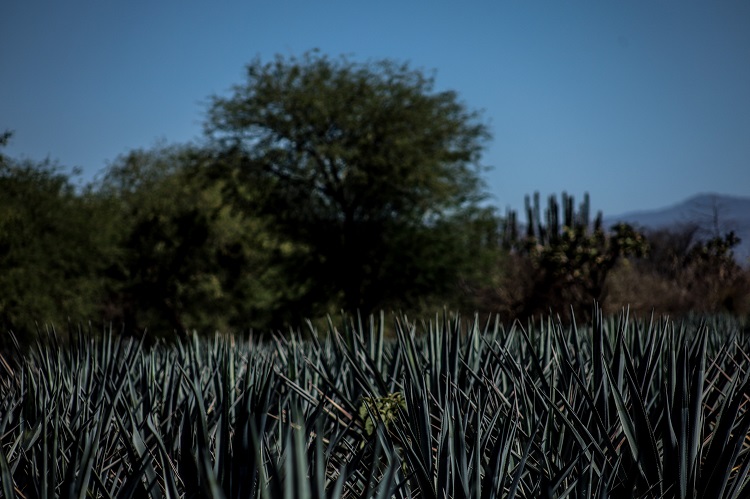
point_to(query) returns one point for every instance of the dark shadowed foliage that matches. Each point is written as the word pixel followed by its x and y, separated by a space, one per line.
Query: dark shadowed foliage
pixel 363 164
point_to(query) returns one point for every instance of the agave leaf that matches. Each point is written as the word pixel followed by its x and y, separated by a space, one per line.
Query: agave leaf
pixel 650 360
pixel 670 446
pixel 726 442
pixel 644 431
pixel 6 475
pixel 697 382
pixel 446 453
pixel 520 467
pixel 143 455
pixel 499 456
pixel 638 432
pixel 170 485
pixel 419 431
pixel 536 362
pixel 581 433
pixel 461 454
pixel 187 461
pixel 133 485
pixel 739 486
pixel 387 485
pixel 595 417
pixel 81 482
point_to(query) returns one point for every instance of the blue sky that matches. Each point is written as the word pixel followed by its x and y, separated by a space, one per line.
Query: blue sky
pixel 640 103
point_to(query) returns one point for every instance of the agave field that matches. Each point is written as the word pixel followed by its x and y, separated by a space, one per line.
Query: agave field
pixel 446 408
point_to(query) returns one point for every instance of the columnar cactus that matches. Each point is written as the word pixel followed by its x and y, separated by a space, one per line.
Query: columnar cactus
pixel 570 261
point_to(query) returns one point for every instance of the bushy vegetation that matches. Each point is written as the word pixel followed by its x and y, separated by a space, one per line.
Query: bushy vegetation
pixel 159 243
pixel 561 261
pixel 445 408
pixel 683 272
pixel 324 185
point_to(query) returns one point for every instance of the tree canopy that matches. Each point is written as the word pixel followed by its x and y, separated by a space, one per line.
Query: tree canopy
pixel 51 247
pixel 364 164
pixel 186 259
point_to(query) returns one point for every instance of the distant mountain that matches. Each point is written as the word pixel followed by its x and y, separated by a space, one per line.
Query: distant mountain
pixel 712 213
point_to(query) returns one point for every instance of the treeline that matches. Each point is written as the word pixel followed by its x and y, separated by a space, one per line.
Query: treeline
pixel 323 185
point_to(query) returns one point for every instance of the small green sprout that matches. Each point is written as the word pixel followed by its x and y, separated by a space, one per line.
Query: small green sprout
pixel 386 407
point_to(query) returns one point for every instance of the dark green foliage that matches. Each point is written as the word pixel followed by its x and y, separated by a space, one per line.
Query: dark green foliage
pixel 619 409
pixel 364 165
pixel 185 259
pixel 52 249
pixel 326 184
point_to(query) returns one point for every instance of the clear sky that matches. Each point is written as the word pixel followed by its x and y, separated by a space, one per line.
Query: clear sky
pixel 641 103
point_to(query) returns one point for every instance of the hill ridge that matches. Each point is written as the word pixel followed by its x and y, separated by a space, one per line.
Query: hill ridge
pixel 713 213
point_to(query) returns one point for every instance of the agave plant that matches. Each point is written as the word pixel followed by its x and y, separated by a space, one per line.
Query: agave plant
pixel 442 408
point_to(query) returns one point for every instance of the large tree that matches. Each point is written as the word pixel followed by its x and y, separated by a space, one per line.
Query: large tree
pixel 364 164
